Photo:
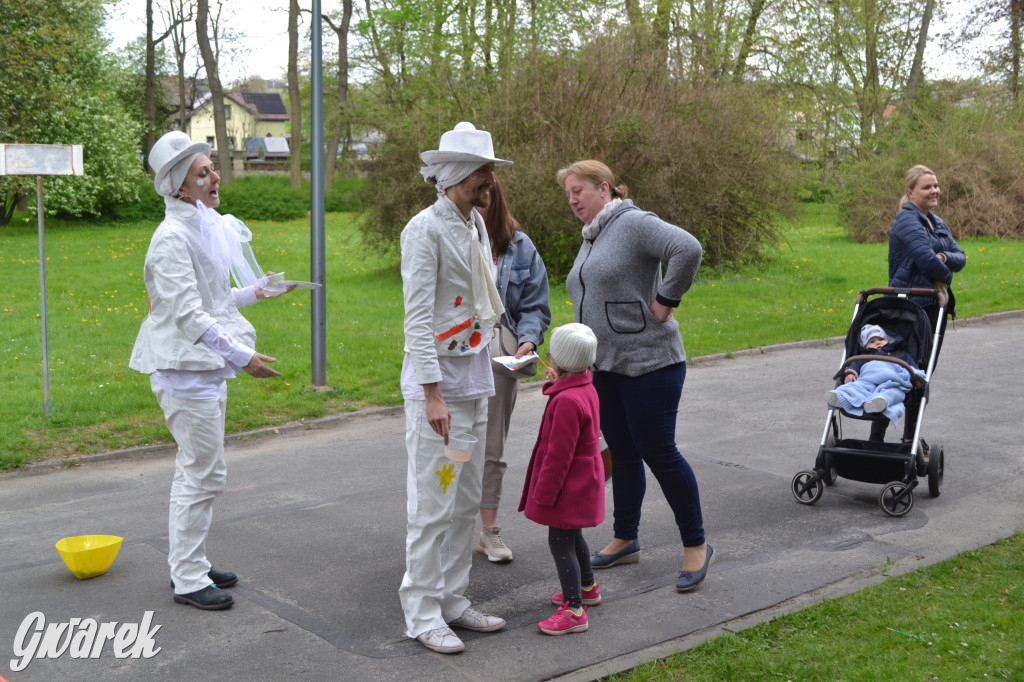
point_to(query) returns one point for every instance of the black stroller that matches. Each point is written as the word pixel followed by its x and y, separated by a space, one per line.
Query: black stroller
pixel 897 465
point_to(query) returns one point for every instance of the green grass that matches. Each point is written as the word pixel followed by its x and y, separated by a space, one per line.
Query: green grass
pixel 96 301
pixel 957 620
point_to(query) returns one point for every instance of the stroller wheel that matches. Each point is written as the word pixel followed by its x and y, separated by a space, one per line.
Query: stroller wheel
pixel 896 499
pixel 803 493
pixel 936 469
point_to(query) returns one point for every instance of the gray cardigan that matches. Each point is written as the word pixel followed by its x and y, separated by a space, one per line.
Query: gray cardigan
pixel 618 275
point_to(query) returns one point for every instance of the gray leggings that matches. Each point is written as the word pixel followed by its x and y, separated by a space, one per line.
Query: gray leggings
pixel 572 560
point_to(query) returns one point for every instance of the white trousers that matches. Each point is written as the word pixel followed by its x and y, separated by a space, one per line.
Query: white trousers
pixel 442 505
pixel 199 476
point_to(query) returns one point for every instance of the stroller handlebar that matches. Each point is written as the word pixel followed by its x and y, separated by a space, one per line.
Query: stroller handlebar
pixel 914 378
pixel 937 294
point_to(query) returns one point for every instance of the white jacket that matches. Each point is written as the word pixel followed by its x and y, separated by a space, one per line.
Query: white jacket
pixel 444 314
pixel 187 294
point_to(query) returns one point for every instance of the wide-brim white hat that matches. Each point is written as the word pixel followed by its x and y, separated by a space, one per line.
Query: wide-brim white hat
pixel 169 150
pixel 464 143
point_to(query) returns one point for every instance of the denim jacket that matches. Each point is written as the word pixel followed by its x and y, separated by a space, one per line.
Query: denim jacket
pixel 523 286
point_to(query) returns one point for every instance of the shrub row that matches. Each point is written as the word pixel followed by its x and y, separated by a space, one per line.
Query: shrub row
pixel 702 158
pixel 252 197
pixel 977 152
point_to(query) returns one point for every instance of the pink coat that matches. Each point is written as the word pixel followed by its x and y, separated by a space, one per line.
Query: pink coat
pixel 565 479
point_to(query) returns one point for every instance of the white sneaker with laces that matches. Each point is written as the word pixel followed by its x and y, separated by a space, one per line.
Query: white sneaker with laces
pixel 442 640
pixel 471 619
pixel 492 545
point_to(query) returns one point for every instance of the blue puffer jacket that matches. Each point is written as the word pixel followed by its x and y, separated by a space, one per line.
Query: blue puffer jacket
pixel 913 248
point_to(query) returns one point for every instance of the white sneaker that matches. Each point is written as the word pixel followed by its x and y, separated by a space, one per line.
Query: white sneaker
pixel 442 640
pixel 832 398
pixel 492 545
pixel 471 619
pixel 876 404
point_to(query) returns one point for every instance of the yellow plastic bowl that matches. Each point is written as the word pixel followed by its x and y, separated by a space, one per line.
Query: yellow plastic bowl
pixel 88 556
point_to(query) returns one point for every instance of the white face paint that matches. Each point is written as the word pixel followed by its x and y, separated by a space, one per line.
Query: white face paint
pixel 200 182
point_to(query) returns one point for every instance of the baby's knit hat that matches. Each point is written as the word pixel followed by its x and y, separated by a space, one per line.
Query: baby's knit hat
pixel 870 331
pixel 574 347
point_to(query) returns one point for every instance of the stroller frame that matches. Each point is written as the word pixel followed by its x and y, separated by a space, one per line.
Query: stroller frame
pixel 897 465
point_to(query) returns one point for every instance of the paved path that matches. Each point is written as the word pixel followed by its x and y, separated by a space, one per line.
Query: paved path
pixel 313 520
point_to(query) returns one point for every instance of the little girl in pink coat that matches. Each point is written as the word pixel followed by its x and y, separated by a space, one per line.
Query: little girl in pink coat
pixel 564 487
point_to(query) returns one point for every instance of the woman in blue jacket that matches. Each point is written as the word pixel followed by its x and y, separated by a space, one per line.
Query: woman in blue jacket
pixel 922 251
pixel 922 254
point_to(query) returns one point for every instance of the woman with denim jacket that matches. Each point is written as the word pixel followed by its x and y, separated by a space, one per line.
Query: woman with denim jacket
pixel 619 291
pixel 522 282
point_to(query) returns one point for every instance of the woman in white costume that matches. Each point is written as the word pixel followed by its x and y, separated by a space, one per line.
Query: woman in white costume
pixel 192 341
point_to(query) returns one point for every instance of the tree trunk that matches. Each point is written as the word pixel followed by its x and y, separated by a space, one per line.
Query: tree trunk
pixel 216 92
pixel 633 15
pixel 178 37
pixel 749 36
pixel 871 120
pixel 340 118
pixel 1015 48
pixel 150 80
pixel 294 94
pixel 662 19
pixel 916 68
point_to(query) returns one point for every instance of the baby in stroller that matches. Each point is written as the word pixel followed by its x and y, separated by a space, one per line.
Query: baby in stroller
pixel 872 387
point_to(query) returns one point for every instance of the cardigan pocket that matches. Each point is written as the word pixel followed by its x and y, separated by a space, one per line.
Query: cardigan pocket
pixel 625 317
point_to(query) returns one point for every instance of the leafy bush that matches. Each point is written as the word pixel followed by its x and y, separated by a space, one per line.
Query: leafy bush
pixel 250 197
pixel 149 206
pixel 347 195
pixel 57 85
pixel 701 158
pixel 264 197
pixel 813 189
pixel 977 153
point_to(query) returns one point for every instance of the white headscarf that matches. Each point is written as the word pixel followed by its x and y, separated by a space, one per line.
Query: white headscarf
pixel 175 177
pixel 449 173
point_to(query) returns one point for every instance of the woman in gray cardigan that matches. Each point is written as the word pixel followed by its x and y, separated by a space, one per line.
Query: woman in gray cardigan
pixel 618 290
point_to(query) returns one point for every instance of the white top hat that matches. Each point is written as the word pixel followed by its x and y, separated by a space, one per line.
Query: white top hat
pixel 464 143
pixel 168 151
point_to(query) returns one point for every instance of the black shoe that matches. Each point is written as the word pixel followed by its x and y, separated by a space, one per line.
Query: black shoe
pixel 221 579
pixel 209 598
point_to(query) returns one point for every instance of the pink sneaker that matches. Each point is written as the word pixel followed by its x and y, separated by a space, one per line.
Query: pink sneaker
pixel 591 597
pixel 564 622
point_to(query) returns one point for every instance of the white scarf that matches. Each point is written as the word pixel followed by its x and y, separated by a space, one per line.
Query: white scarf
pixel 591 229
pixel 486 300
pixel 226 239
pixel 448 173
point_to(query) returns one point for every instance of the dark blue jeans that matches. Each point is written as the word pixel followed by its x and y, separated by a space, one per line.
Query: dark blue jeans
pixel 638 420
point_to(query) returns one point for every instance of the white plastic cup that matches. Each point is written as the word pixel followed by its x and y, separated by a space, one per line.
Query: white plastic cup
pixel 460 446
pixel 275 285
